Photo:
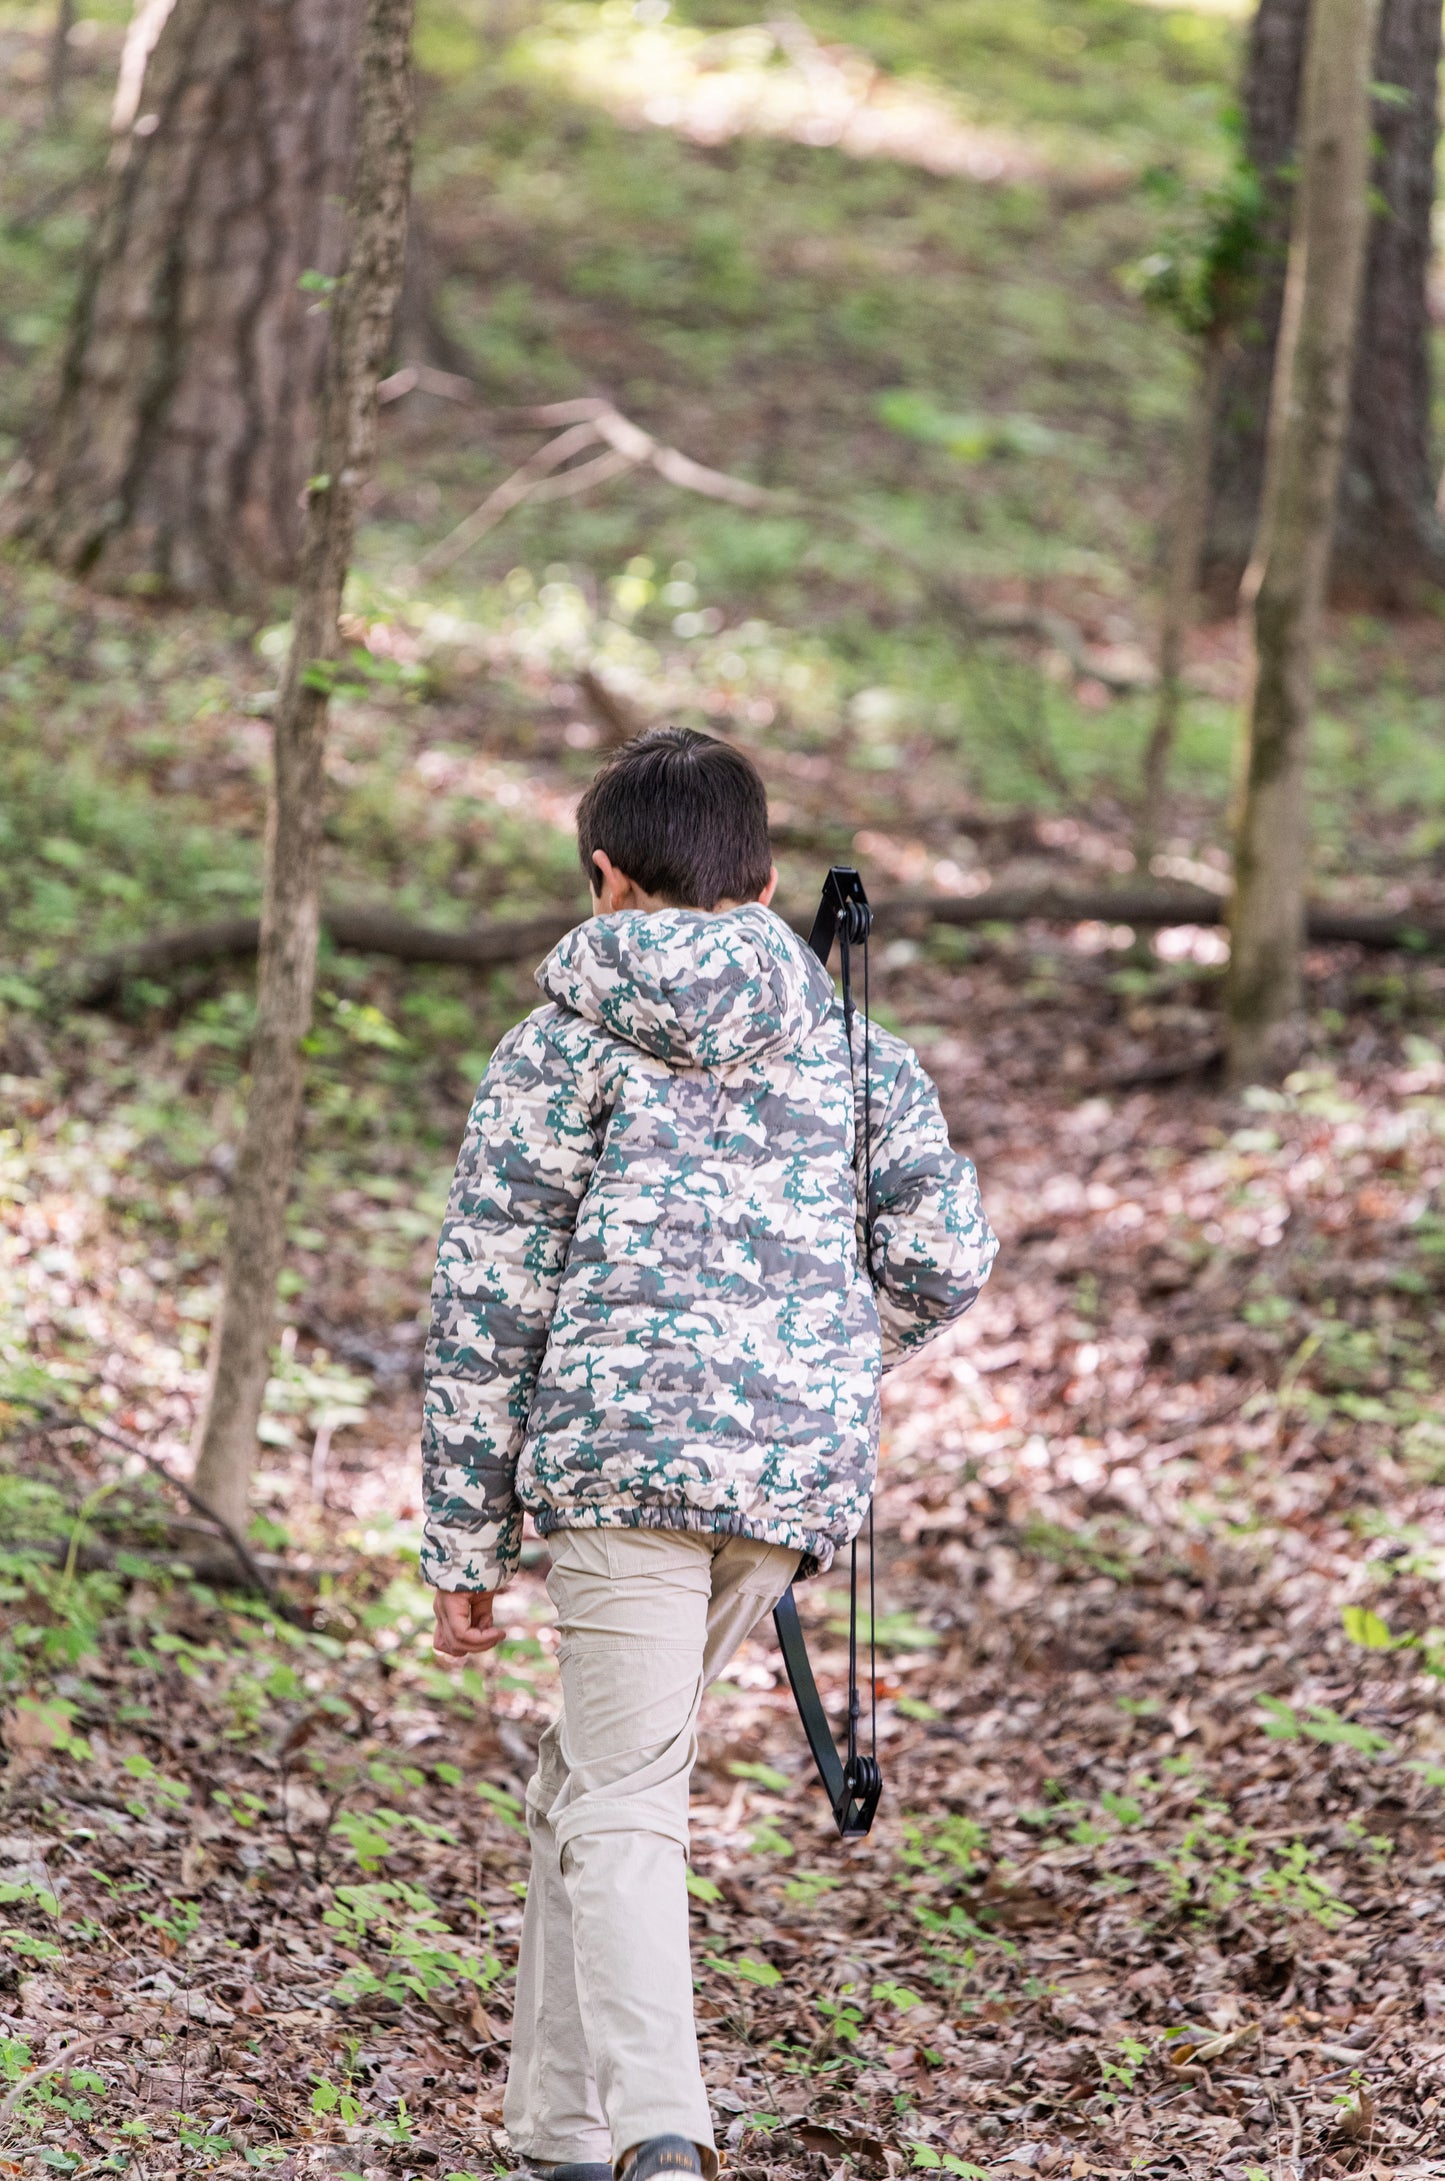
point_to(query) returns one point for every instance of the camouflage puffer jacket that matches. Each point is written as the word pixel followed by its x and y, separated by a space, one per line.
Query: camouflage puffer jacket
pixel 649 1306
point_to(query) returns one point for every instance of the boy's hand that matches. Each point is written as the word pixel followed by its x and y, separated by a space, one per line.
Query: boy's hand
pixel 463 1623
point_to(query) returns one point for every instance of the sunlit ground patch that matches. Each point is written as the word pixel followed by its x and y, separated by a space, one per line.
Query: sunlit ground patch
pixel 774 79
pixel 1236 10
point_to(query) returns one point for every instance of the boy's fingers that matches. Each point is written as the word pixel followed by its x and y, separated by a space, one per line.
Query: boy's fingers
pixel 458 1610
pixel 475 1640
pixel 461 1643
pixel 464 1623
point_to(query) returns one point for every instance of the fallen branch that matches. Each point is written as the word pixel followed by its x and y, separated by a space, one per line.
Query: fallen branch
pixel 589 420
pixel 1155 908
pixel 426 379
pixel 519 487
pixel 26 2083
pixel 100 980
pixel 211 1562
pixel 70 1420
pixel 478 946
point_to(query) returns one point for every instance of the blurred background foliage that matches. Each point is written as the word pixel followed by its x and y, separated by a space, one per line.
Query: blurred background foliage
pixel 950 348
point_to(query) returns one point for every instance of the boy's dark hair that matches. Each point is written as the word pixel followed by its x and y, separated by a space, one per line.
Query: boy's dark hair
pixel 683 816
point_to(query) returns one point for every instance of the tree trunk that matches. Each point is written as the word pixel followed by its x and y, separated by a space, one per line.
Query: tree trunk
pixel 361 327
pixel 1187 518
pixel 175 457
pixel 1388 538
pixel 59 59
pixel 1285 582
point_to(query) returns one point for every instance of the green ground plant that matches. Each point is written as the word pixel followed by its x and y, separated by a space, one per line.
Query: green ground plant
pixel 949 383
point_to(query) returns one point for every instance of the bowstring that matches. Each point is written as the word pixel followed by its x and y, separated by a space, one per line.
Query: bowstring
pixel 868 1247
pixel 846 966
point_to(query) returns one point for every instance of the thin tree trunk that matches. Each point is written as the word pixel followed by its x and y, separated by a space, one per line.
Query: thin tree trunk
pixel 59 60
pixel 1388 537
pixel 176 453
pixel 1188 517
pixel 1285 583
pixel 362 317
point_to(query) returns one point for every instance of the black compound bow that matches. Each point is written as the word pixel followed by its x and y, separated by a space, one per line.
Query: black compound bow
pixel 851 1781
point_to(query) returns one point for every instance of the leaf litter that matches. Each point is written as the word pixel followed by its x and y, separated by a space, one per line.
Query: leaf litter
pixel 1155 1886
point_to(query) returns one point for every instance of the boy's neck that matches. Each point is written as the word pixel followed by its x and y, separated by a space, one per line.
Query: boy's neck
pixel 616 891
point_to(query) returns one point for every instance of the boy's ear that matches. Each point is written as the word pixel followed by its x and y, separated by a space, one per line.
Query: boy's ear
pixel 611 888
pixel 771 888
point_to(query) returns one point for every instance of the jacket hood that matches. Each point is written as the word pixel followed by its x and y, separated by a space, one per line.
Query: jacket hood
pixel 695 989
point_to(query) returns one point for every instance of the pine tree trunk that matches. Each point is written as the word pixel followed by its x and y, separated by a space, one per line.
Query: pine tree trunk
pixel 1388 539
pixel 1285 582
pixel 177 451
pixel 361 329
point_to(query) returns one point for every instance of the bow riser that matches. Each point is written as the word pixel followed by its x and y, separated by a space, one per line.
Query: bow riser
pixel 852 1788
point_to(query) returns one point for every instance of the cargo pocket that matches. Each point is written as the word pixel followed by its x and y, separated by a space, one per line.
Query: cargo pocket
pixel 670 1556
pixel 771 1572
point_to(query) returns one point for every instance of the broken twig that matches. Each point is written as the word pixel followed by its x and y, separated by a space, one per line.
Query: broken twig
pixel 71 1420
pixel 589 421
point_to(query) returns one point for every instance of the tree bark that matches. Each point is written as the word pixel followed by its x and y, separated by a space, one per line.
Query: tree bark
pixel 58 67
pixel 177 450
pixel 361 327
pixel 1388 540
pixel 1285 582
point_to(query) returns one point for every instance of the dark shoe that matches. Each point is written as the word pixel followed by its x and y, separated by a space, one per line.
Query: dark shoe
pixel 663 2155
pixel 578 2170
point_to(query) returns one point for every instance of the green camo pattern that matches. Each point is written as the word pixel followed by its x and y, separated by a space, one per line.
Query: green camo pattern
pixel 650 1306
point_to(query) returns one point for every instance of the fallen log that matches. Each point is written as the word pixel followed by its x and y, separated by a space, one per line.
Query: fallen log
pixel 1152 906
pixel 101 979
pixel 1155 908
pixel 96 982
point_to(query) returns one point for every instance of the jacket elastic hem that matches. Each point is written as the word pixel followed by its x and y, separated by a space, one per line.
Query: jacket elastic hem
pixel 816 1550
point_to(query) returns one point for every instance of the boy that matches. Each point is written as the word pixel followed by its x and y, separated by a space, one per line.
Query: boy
pixel 652 1331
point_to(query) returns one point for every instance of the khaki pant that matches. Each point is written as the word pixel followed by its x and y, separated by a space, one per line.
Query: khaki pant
pixel 604 2049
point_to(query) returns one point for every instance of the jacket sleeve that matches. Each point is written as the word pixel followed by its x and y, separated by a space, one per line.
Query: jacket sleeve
pixel 531 1143
pixel 932 1247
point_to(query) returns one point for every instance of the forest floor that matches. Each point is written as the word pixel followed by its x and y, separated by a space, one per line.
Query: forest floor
pixel 1155 1886
pixel 1156 1880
